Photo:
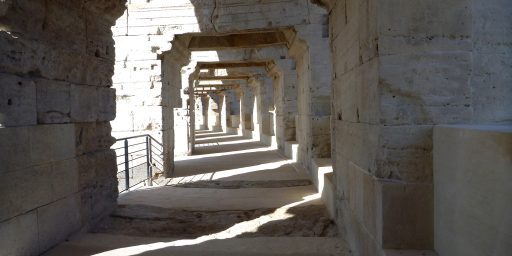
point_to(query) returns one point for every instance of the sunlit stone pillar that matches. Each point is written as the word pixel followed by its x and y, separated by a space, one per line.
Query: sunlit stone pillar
pixel 223 114
pixel 214 112
pixel 264 130
pixel 204 112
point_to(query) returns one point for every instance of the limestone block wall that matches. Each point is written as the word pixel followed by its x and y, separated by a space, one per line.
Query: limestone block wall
pixel 472 166
pixel 58 173
pixel 395 76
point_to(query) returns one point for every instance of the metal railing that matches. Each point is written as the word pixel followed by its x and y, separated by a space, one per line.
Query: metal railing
pixel 138 159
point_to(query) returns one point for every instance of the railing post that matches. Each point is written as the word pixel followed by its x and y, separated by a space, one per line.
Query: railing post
pixel 126 165
pixel 149 161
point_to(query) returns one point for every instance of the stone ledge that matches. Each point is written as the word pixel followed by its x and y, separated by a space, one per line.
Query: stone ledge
pixel 291 150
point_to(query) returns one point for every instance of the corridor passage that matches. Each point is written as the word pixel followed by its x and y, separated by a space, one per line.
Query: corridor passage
pixel 234 196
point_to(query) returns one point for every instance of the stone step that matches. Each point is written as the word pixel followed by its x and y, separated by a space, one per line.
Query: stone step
pixel 237 184
pixel 212 199
pixel 107 245
pixel 150 221
pixel 409 253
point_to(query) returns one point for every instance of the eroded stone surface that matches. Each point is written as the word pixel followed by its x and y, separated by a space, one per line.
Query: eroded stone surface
pixel 141 220
pixel 234 184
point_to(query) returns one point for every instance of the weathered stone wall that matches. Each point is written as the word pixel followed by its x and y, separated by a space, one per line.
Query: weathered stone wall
pixel 472 189
pixel 58 173
pixel 491 66
pixel 395 76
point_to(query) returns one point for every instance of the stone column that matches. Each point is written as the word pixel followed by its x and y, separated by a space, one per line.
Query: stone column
pixel 247 106
pixel 198 113
pixel 204 111
pixel 310 49
pixel 239 97
pixel 263 104
pixel 284 80
pixel 214 112
pixel 172 63
pixel 223 113
pixel 234 108
pixel 191 115
pixel 254 85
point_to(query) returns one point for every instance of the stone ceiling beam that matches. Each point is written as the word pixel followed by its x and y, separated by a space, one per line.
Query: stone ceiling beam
pixel 246 40
pixel 233 64
pixel 237 77
pixel 217 85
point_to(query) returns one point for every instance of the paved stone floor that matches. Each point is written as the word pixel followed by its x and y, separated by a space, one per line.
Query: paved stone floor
pixel 233 197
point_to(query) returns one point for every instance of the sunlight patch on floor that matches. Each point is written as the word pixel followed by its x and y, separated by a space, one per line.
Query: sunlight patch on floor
pixel 224 174
pixel 244 151
pixel 216 143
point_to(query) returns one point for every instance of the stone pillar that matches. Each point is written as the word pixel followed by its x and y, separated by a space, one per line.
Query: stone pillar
pixel 246 112
pixel 205 99
pixel 198 113
pixel 191 115
pixel 223 114
pixel 310 49
pixel 183 134
pixel 254 84
pixel 234 108
pixel 239 97
pixel 263 104
pixel 214 112
pixel 284 80
pixel 172 63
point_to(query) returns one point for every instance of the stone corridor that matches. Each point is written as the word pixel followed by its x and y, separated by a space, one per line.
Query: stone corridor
pixel 234 196
pixel 256 127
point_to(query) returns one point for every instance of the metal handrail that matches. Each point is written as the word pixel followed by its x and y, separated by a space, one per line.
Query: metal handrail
pixel 151 160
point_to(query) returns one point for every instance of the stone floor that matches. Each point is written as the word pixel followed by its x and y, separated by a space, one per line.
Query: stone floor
pixel 233 197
